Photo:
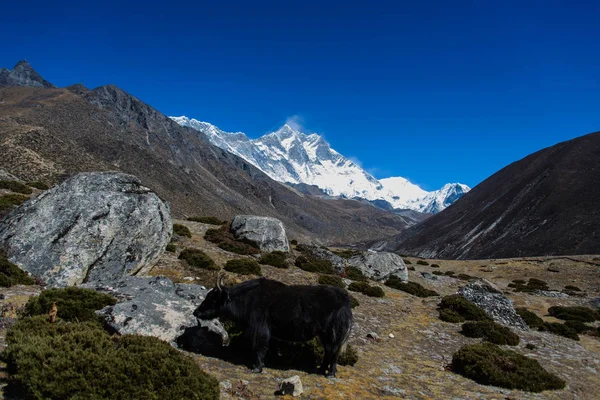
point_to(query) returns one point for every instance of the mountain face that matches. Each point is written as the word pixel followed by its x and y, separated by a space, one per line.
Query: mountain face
pixel 291 156
pixel 22 75
pixel 544 204
pixel 48 134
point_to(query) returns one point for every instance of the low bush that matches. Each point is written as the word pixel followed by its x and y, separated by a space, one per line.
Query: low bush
pixel 331 280
pixel 181 230
pixel 532 285
pixel 491 332
pixel 452 316
pixel 275 259
pixel 410 268
pixel 406 261
pixel 11 275
pixel 349 357
pixel 208 220
pixel 578 326
pixel 530 318
pixel 464 277
pixel 346 253
pixel 449 273
pixel 294 242
pixel 488 364
pixel 353 301
pixel 355 274
pixel 572 288
pixel 374 291
pixel 358 286
pixel 422 262
pixel 530 346
pixel 582 314
pixel 561 329
pixel 171 248
pixel 437 273
pixel 8 201
pixel 73 303
pixel 310 264
pixel 435 265
pixel 462 307
pixel 81 361
pixel 38 185
pixel 226 241
pixel 198 258
pixel 413 288
pixel 16 187
pixel 243 266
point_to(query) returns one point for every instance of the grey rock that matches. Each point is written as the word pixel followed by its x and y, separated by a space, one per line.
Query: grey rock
pixel 153 306
pixel 292 385
pixel 550 293
pixel 490 298
pixel 5 176
pixel 380 266
pixel 23 75
pixel 322 253
pixel 268 233
pixel 95 226
pixel 427 275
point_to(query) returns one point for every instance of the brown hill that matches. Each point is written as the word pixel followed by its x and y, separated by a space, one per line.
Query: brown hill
pixel 48 133
pixel 545 204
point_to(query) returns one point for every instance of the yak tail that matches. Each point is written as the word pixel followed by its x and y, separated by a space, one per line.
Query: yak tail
pixel 348 319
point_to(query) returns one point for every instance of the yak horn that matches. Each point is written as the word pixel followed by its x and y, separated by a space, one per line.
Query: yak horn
pixel 219 281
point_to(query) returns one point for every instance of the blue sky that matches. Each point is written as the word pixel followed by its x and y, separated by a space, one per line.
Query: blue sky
pixel 433 91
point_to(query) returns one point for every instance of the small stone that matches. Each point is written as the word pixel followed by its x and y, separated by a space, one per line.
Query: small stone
pixel 391 335
pixel 291 386
pixel 188 278
pixel 374 336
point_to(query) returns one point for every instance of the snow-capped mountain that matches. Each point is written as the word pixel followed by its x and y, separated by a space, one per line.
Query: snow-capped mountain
pixel 288 155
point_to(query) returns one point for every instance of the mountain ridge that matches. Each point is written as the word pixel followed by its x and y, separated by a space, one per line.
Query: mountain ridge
pixel 291 156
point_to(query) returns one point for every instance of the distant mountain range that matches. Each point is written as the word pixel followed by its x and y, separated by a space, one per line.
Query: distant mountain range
pixel 290 156
pixel 548 203
pixel 49 133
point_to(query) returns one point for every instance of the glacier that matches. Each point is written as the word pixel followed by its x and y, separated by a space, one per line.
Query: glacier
pixel 290 156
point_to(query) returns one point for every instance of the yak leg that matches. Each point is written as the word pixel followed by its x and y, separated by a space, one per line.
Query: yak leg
pixel 327 357
pixel 260 344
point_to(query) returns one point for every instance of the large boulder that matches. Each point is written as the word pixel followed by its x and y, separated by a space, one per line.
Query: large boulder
pixel 268 233
pixel 95 226
pixel 490 298
pixel 153 306
pixel 380 266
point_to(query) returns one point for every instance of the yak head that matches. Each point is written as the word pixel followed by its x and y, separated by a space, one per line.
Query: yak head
pixel 214 303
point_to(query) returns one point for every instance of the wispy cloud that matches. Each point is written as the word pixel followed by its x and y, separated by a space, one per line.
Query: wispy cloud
pixel 296 122
pixel 355 161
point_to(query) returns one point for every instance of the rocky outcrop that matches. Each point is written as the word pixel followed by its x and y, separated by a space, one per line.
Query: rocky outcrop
pixel 268 233
pixel 153 306
pixel 487 296
pixel 322 253
pixel 380 266
pixel 23 75
pixel 5 176
pixel 93 227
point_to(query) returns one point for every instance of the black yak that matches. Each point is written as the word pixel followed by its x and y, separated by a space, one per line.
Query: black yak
pixel 265 308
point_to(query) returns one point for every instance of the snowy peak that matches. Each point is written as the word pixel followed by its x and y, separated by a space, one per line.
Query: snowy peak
pixel 289 155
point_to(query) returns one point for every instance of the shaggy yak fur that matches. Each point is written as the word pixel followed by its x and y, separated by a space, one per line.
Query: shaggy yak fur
pixel 266 308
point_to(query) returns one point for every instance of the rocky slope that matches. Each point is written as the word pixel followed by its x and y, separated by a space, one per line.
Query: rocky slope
pixel 291 156
pixel 48 134
pixel 544 204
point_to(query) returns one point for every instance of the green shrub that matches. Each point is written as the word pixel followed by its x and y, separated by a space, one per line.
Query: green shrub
pixel 349 357
pixel 413 288
pixel 171 248
pixel 490 332
pixel 181 230
pixel 198 258
pixel 11 275
pixel 353 301
pixel 406 261
pixel 243 266
pixel 358 286
pixel 449 273
pixel 572 288
pixel 294 242
pixel 331 280
pixel 582 314
pixel 464 277
pixel 561 330
pixel 579 326
pixel 374 291
pixel 463 307
pixel 275 258
pixel 208 220
pixel 532 285
pixel 437 272
pixel 452 316
pixel 81 361
pixel 435 265
pixel 16 187
pixel 8 201
pixel 488 364
pixel 422 262
pixel 410 268
pixel 73 303
pixel 355 274
pixel 38 185
pixel 530 318
pixel 310 264
pixel 530 346
pixel 519 282
pixel 346 253
pixel 225 240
